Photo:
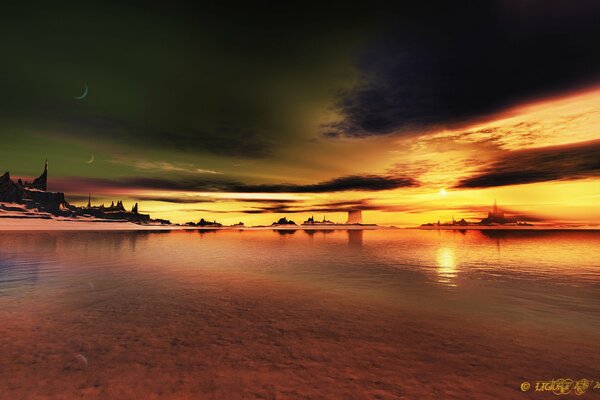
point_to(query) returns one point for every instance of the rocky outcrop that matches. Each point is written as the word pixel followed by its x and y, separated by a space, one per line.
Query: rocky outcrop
pixel 105 213
pixel 10 192
pixel 39 183
pixel 283 221
pixel 52 202
pixel 33 195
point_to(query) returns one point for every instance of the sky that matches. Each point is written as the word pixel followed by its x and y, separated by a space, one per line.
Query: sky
pixel 411 113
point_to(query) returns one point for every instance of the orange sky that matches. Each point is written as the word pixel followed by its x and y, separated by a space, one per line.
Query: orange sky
pixel 438 161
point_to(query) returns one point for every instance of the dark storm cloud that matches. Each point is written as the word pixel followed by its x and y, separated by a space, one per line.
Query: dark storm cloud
pixel 576 161
pixel 346 183
pixel 290 206
pixel 353 182
pixel 263 200
pixel 203 199
pixel 294 208
pixel 443 66
pixel 175 200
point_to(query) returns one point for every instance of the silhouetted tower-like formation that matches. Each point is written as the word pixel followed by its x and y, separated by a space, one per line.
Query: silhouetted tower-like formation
pixel 135 208
pixel 495 214
pixel 39 183
pixel 89 201
pixel 354 217
pixel 42 181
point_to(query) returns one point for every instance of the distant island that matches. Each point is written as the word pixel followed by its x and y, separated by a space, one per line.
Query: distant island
pixel 204 223
pixel 325 222
pixel 495 217
pixel 354 221
pixel 32 200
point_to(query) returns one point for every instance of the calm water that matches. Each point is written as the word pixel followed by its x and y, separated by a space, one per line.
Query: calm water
pixel 264 314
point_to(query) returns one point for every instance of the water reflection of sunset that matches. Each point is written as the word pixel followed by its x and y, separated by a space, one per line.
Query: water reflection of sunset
pixel 446 265
pixel 144 304
pixel 336 259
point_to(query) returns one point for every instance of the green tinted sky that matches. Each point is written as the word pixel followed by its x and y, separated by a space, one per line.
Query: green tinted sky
pixel 179 84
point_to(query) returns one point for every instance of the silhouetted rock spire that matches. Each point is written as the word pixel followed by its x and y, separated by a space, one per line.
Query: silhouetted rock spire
pixel 39 183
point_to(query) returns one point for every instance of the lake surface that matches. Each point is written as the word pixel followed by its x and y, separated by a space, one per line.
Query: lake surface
pixel 263 314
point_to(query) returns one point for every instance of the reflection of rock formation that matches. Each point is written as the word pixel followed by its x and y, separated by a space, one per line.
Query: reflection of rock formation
pixel 355 237
pixel 354 217
pixel 312 232
pixel 283 232
pixel 521 234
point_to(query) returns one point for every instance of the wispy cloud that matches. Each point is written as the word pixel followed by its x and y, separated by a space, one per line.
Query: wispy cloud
pixel 165 166
pixel 554 163
pixel 192 199
pixel 361 183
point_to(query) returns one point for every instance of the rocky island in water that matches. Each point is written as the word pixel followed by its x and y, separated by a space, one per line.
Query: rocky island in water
pixel 23 200
pixel 495 219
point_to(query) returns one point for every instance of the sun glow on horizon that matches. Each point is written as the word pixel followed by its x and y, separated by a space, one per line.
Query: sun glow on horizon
pixel 436 161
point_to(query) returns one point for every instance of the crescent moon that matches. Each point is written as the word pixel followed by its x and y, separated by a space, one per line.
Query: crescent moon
pixel 85 92
pixel 91 160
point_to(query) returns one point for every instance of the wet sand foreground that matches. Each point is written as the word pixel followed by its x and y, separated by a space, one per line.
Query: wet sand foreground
pixel 103 333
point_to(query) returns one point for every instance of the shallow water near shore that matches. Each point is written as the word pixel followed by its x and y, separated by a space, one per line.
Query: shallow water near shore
pixel 296 314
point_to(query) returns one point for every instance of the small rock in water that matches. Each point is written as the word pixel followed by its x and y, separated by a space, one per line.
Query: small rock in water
pixel 81 358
